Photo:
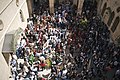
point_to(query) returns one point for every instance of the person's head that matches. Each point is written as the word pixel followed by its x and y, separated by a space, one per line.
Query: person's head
pixel 28 20
pixel 25 59
pixel 22 34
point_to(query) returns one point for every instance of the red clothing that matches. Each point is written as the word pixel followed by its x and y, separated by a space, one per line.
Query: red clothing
pixel 42 64
pixel 43 79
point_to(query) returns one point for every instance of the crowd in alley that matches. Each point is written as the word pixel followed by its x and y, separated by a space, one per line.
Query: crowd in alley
pixel 66 46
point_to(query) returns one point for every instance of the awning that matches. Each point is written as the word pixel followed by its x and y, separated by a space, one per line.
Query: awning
pixel 10 41
pixel 7 45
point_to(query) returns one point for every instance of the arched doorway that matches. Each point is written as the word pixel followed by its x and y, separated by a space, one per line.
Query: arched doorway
pixel 106 15
pixel 118 9
pixel 111 18
pixel 103 10
pixel 115 24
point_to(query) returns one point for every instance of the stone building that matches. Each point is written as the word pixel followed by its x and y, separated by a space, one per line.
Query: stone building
pixel 13 18
pixel 110 13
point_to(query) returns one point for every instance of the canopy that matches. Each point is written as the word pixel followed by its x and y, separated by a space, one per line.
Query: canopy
pixel 7 45
pixel 10 40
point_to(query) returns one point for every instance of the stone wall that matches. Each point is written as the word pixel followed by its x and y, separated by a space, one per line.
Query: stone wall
pixel 13 14
pixel 110 13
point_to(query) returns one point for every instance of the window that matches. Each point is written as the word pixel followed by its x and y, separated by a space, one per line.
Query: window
pixel 118 9
pixel 111 18
pixel 104 8
pixel 21 16
pixel 1 25
pixel 115 24
pixel 107 14
pixel 17 3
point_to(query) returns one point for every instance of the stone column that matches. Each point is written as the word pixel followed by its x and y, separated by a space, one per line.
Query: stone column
pixel 99 4
pixel 51 6
pixel 29 4
pixel 80 5
pixel 75 2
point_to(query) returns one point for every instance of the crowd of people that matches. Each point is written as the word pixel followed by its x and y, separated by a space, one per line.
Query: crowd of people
pixel 92 47
pixel 66 46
